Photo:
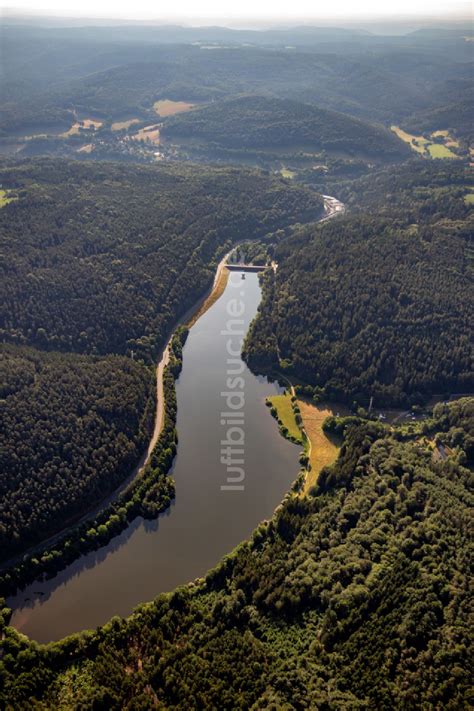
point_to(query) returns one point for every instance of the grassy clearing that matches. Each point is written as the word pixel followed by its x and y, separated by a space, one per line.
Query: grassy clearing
pixel 449 141
pixel 438 150
pixel 322 451
pixel 122 125
pixel 149 134
pixel 166 107
pixel 425 147
pixel 469 199
pixel 5 198
pixel 284 409
pixel 85 124
pixel 88 148
pixel 417 143
pixel 287 173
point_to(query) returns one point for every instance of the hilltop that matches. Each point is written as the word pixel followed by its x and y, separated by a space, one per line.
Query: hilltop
pixel 272 124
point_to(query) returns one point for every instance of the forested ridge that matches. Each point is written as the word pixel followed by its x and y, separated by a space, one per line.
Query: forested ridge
pixel 454 109
pixel 379 302
pixel 104 258
pixel 72 428
pixel 354 597
pixel 109 73
pixel 425 192
pixel 262 122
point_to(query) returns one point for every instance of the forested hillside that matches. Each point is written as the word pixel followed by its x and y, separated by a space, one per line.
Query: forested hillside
pixel 356 593
pixel 261 122
pixel 104 258
pixel 354 597
pixel 377 303
pixel 101 259
pixel 425 192
pixel 72 428
pixel 50 73
pixel 455 110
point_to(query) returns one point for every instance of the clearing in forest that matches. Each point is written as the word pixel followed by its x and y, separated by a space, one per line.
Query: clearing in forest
pixel 438 150
pixel 85 124
pixel 448 139
pixel 425 147
pixel 417 143
pixel 322 450
pixel 121 125
pixel 166 107
pixel 5 198
pixel 149 134
pixel 284 408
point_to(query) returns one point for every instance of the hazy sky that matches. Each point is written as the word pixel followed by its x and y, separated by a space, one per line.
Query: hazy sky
pixel 272 10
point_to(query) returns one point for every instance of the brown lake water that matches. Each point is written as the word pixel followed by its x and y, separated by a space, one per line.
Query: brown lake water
pixel 204 522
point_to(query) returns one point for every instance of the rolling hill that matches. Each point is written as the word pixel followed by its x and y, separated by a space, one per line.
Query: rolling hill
pixel 258 122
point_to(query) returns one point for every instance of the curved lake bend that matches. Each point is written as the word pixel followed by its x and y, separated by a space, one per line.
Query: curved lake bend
pixel 204 522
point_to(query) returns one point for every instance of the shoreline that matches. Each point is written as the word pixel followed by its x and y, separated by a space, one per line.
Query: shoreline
pixel 188 319
pixel 332 207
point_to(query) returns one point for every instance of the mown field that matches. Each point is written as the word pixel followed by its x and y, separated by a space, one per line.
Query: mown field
pixel 282 406
pixel 166 107
pixel 323 449
pixel 426 147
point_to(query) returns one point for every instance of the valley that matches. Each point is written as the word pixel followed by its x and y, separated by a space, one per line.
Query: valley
pixel 236 362
pixel 203 524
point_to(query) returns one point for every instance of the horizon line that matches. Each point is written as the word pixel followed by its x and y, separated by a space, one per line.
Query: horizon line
pixel 246 23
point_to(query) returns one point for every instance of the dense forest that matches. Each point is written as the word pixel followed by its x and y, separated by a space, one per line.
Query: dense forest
pixel 354 597
pixel 51 72
pixel 261 122
pixel 147 494
pixel 104 258
pixel 454 110
pixel 377 303
pixel 72 428
pixel 357 594
pixel 422 191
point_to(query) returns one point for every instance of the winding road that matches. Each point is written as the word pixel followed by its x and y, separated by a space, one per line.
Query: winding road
pixel 164 360
pixel 332 207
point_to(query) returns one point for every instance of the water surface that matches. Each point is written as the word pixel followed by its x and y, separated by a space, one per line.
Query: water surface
pixel 204 522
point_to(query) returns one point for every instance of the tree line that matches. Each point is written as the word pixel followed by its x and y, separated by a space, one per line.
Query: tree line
pixel 101 260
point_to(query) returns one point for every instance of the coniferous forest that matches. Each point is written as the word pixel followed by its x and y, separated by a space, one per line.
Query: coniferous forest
pixel 354 597
pixel 256 122
pixel 104 258
pixel 377 303
pixel 87 272
pixel 72 428
pixel 336 159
